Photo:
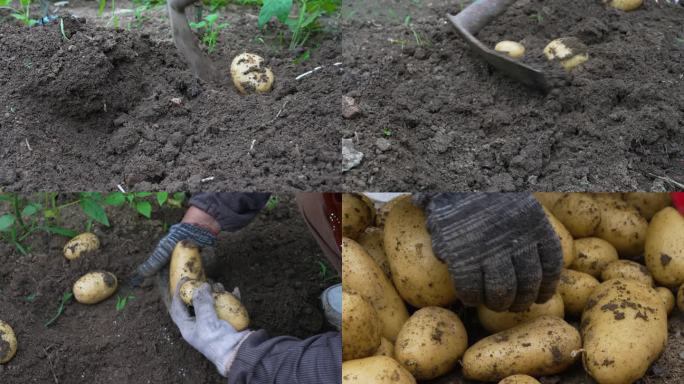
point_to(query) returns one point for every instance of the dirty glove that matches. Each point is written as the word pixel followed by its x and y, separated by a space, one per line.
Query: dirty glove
pixel 214 338
pixel 500 248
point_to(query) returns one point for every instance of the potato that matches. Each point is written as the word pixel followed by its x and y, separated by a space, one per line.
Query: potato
pixel 664 249
pixel 361 275
pixel 187 290
pixel 543 346
pixel 566 241
pixel 578 212
pixel 94 287
pixel 356 215
pixel 623 227
pixel 375 370
pixel 8 343
pixel 249 74
pixel 81 244
pixel 680 298
pixel 593 254
pixel 431 342
pixel 360 327
pixel 624 5
pixel 512 49
pixel 624 329
pixel 230 309
pixel 647 203
pixel 575 288
pixel 500 321
pixel 668 298
pixel 384 210
pixel 186 262
pixel 569 51
pixel 627 269
pixel 548 199
pixel 372 241
pixel 386 348
pixel 519 379
pixel 419 276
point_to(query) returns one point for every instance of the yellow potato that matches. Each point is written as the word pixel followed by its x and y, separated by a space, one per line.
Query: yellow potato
pixel 81 244
pixel 186 262
pixel 363 276
pixel 519 379
pixel 431 342
pixel 8 343
pixel 624 5
pixel 500 321
pixel 419 276
pixel 566 241
pixel 230 309
pixel 668 298
pixel 627 269
pixel 593 254
pixel 372 240
pixel 569 51
pixel 360 327
pixel 187 290
pixel 624 329
pixel 510 48
pixel 680 298
pixel 664 251
pixel 249 74
pixel 386 348
pixel 623 227
pixel 375 370
pixel 384 210
pixel 356 215
pixel 575 288
pixel 543 346
pixel 548 199
pixel 578 212
pixel 647 203
pixel 94 287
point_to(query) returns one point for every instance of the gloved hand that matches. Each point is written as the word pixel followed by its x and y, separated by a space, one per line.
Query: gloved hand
pixel 500 248
pixel 214 338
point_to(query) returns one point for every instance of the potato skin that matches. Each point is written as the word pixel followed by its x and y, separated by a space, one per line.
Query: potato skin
pixel 81 244
pixel 668 298
pixel 539 347
pixel 230 309
pixel 623 227
pixel 624 5
pixel 647 203
pixel 627 269
pixel 386 348
pixel 624 329
pixel 248 74
pixel 94 287
pixel 548 199
pixel 419 276
pixel 578 212
pixel 566 240
pixel 375 370
pixel 575 288
pixel 593 254
pixel 8 343
pixel 501 321
pixel 431 342
pixel 356 215
pixel 363 276
pixel 372 240
pixel 680 298
pixel 664 252
pixel 188 289
pixel 519 379
pixel 360 327
pixel 186 262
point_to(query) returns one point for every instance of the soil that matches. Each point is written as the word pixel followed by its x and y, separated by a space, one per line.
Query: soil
pixel 120 106
pixel 435 117
pixel 274 261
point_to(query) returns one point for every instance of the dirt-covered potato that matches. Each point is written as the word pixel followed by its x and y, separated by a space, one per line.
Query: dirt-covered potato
pixel 375 370
pixel 624 329
pixel 363 276
pixel 386 348
pixel 187 289
pixel 680 298
pixel 627 269
pixel 230 309
pixel 668 298
pixel 81 244
pixel 419 276
pixel 94 287
pixel 250 75
pixel 8 342
pixel 569 51
pixel 664 250
pixel 622 226
pixel 186 262
pixel 575 288
pixel 566 240
pixel 372 240
pixel 543 346
pixel 647 203
pixel 548 199
pixel 500 321
pixel 593 254
pixel 578 212
pixel 385 209
pixel 510 48
pixel 360 327
pixel 519 379
pixel 431 342
pixel 356 215
pixel 624 5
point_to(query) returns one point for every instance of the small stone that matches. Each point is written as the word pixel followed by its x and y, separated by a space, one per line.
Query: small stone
pixel 176 100
pixel 350 156
pixel 350 109
pixel 383 144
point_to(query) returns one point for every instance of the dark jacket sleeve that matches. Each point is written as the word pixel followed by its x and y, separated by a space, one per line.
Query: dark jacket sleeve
pixel 233 210
pixel 285 359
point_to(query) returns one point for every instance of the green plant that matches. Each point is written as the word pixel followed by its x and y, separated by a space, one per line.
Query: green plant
pixel 211 29
pixel 23 13
pixel 325 272
pixel 66 299
pixel 305 21
pixel 121 302
pixel 100 10
pixel 272 203
pixel 30 298
pixel 387 132
pixel 538 17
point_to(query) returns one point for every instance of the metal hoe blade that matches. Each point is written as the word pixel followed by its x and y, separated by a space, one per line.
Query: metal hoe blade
pixel 473 18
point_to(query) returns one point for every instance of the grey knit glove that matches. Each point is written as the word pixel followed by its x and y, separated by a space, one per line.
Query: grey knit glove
pixel 500 248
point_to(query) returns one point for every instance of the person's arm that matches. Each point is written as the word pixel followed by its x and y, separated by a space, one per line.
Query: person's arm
pixel 232 210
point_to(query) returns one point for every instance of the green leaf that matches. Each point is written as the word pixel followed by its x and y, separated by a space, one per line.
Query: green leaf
pixel 143 194
pixel 162 197
pixel 144 208
pixel 6 222
pixel 201 24
pixel 179 196
pixel 280 9
pixel 101 7
pixel 6 196
pixel 115 199
pixel 95 211
pixel 211 18
pixel 61 231
pixel 30 210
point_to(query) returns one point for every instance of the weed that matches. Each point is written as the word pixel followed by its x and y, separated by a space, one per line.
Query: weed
pixel 23 13
pixel 305 21
pixel 121 302
pixel 211 29
pixel 538 17
pixel 31 297
pixel 325 272
pixel 680 40
pixel 387 132
pixel 272 203
pixel 66 299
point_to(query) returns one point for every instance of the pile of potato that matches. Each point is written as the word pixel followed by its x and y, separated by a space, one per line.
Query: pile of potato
pixel 623 256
